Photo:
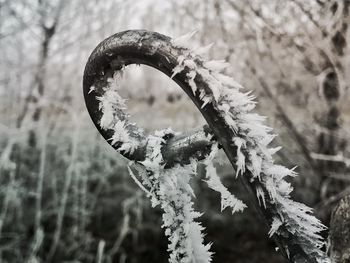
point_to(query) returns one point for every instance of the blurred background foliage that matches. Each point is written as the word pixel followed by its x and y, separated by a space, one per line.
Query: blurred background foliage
pixel 66 196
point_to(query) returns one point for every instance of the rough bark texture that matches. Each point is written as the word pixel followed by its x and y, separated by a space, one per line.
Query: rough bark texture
pixel 339 235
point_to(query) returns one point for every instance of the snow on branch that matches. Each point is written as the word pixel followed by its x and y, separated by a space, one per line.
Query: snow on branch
pixel 292 224
pixel 114 118
pixel 254 156
pixel 170 188
pixel 214 182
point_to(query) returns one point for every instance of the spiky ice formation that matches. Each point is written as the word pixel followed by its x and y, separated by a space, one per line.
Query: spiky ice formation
pixel 252 138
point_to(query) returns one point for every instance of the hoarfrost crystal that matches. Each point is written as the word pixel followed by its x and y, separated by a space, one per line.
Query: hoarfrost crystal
pixel 170 187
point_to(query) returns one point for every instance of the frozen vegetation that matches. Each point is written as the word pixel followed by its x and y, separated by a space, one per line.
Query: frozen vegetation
pixel 170 188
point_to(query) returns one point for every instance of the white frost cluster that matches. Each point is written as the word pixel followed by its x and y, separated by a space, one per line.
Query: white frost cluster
pixel 276 223
pixel 113 117
pixel 214 182
pixel 170 188
pixel 252 138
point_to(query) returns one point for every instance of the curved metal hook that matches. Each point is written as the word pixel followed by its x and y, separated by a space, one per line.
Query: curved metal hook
pixel 157 51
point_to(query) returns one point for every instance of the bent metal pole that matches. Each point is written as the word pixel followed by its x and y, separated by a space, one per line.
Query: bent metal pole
pixel 158 51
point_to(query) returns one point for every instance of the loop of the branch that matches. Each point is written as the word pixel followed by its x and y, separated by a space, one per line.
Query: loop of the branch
pixel 195 76
pixel 109 58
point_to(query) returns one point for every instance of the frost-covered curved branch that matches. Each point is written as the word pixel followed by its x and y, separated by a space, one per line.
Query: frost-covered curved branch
pixel 227 110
